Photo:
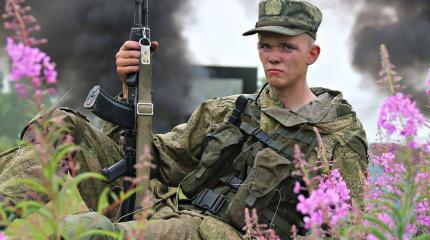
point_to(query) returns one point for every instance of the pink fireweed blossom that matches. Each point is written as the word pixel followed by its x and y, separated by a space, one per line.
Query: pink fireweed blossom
pixel 423 214
pixel 400 108
pixel 392 173
pixel 326 204
pixel 29 62
pixel 297 187
pixel 21 89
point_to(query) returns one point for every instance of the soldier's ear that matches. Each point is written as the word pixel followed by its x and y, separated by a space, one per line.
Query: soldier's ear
pixel 258 40
pixel 313 54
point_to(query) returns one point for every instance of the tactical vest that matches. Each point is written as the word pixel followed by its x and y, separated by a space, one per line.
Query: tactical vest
pixel 244 167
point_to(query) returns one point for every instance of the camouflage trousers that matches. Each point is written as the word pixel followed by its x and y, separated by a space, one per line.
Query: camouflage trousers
pixel 96 151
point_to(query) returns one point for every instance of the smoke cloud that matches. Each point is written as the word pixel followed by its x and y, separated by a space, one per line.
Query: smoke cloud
pixel 84 37
pixel 403 26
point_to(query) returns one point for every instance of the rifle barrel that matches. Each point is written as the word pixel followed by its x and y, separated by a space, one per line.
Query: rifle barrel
pixel 138 21
pixel 145 14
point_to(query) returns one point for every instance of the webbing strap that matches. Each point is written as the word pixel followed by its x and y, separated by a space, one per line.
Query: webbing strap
pixel 239 106
pixel 299 134
pixel 144 113
pixel 262 136
pixel 256 132
pixel 209 200
pixel 232 181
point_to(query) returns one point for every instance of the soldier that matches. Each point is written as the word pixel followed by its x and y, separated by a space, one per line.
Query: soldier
pixel 221 165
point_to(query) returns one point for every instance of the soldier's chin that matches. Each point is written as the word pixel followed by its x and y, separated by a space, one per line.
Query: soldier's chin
pixel 278 83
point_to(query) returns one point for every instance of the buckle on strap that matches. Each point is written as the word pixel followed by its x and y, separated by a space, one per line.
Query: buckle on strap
pixel 232 181
pixel 209 200
pixel 261 135
pixel 145 109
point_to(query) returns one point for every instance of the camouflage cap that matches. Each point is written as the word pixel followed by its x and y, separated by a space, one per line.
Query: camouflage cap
pixel 287 17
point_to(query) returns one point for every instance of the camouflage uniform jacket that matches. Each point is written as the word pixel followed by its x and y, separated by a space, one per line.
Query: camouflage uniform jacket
pixel 179 152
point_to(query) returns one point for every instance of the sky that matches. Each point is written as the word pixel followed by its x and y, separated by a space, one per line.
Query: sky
pixel 214 36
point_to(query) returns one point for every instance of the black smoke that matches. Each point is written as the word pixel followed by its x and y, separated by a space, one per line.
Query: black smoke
pixel 84 37
pixel 404 27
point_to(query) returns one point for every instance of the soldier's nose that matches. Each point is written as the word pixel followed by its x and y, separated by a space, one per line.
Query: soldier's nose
pixel 273 57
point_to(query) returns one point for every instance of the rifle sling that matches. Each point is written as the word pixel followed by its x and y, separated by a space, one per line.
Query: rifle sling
pixel 144 112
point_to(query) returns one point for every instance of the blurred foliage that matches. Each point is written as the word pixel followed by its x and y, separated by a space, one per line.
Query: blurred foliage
pixel 15 112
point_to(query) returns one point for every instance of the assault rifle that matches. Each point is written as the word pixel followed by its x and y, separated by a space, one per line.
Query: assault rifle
pixel 134 116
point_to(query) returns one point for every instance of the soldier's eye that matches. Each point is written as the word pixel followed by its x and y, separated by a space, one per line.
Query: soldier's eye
pixel 288 47
pixel 265 46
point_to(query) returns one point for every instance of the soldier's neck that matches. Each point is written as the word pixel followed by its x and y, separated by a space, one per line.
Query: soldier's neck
pixel 295 97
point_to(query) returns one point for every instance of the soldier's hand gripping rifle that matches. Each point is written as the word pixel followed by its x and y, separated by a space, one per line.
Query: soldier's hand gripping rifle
pixel 134 116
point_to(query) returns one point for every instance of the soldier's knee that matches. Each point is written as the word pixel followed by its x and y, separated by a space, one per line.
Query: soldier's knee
pixel 61 120
pixel 66 116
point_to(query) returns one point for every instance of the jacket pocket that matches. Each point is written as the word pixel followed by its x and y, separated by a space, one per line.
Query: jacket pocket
pixel 222 145
pixel 267 173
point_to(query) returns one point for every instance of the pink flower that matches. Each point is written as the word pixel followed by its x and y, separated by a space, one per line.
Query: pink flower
pixel 38 93
pixel 426 147
pixel 422 209
pixel 51 91
pixel 392 173
pixel 2 236
pixel 328 201
pixel 297 187
pixel 30 63
pixel 399 109
pixel 20 89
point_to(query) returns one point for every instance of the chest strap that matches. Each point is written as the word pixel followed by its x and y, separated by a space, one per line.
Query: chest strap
pixel 209 200
pixel 232 181
pixel 239 106
pixel 299 134
pixel 213 201
pixel 261 136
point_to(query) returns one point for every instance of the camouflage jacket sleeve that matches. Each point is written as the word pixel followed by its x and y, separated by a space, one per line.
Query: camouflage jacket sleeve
pixel 176 153
pixel 351 158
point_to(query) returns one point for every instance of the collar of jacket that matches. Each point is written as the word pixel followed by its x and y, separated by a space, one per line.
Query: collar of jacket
pixel 323 109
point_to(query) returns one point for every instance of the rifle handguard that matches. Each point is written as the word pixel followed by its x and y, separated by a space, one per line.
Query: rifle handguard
pixel 110 109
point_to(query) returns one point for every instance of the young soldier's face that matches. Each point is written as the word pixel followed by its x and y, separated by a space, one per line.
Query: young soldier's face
pixel 286 58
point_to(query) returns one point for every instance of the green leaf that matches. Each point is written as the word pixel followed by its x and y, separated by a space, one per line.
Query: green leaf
pixel 378 222
pixel 60 153
pixel 103 201
pixel 32 183
pixel 375 232
pixel 392 196
pixel 396 214
pixel 31 229
pixel 422 237
pixel 129 193
pixel 114 196
pixel 25 229
pixel 386 203
pixel 88 175
pixel 94 232
pixel 28 207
